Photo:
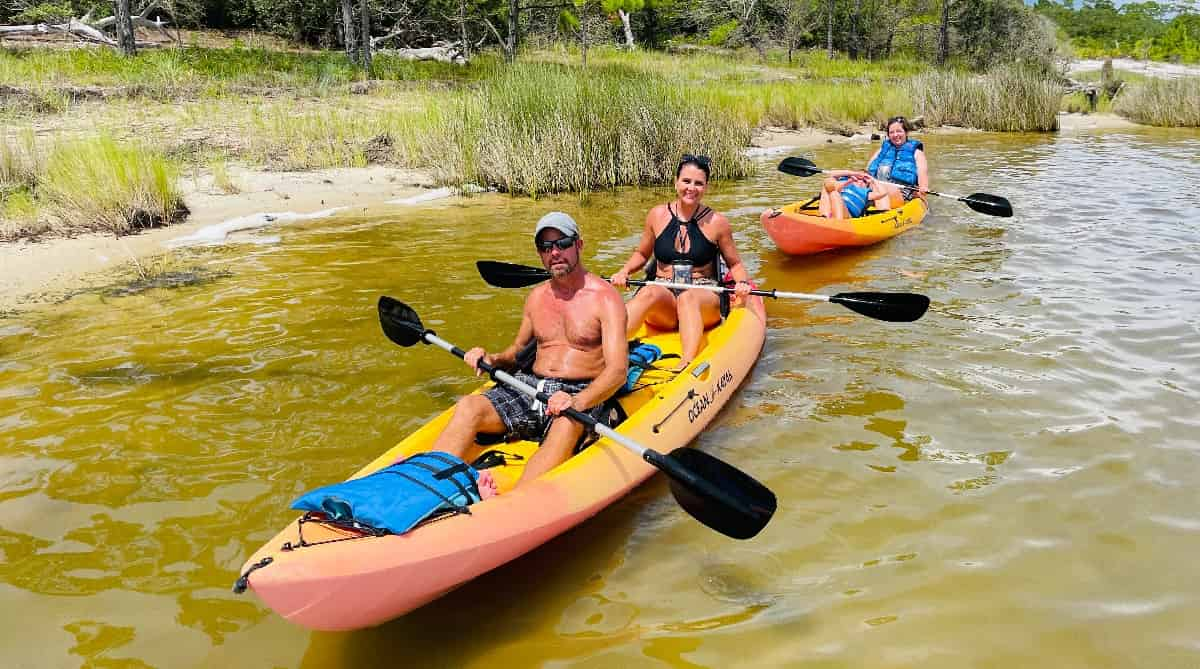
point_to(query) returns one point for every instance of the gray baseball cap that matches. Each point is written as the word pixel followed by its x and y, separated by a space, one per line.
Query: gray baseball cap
pixel 559 221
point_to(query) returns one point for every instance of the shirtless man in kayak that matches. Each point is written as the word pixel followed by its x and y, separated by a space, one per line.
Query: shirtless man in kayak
pixel 578 321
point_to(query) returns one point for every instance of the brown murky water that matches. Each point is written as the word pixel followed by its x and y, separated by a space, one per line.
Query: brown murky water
pixel 1007 482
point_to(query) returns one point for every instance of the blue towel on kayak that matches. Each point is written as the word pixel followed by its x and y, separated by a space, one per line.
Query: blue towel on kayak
pixel 641 357
pixel 400 496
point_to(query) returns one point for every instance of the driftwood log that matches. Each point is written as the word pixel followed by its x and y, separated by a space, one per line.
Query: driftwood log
pixel 445 52
pixel 86 29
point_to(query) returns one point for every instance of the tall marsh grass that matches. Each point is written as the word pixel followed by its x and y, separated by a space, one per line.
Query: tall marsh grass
pixel 87 185
pixel 542 128
pixel 1006 99
pixel 1162 102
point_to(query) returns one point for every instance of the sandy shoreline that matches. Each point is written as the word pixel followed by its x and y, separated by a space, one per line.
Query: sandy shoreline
pixel 42 272
pixel 34 273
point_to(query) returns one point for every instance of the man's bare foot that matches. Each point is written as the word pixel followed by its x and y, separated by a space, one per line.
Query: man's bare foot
pixel 487 485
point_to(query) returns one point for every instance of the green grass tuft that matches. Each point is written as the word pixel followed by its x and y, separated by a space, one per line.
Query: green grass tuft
pixel 1162 102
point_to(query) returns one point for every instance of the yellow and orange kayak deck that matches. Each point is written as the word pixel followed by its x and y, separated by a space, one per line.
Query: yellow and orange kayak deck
pixel 367 580
pixel 801 230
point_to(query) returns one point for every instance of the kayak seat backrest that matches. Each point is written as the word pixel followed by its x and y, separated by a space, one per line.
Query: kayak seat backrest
pixel 610 413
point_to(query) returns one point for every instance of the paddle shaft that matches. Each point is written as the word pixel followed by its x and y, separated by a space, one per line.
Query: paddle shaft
pixel 933 192
pixel 721 289
pixel 906 187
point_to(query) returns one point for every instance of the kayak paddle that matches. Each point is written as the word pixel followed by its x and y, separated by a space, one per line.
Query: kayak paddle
pixel 714 492
pixel 894 307
pixel 992 205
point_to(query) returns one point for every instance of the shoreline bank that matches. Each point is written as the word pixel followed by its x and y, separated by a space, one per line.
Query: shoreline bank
pixel 37 273
pixel 34 273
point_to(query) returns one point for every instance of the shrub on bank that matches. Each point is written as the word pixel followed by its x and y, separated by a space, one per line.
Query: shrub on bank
pixel 1006 99
pixel 1162 102
pixel 86 185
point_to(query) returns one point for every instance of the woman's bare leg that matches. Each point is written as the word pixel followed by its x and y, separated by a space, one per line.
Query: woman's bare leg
pixel 657 308
pixel 697 309
pixel 825 207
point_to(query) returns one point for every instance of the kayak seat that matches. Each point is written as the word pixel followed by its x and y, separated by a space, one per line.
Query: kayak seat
pixel 722 274
pixel 610 413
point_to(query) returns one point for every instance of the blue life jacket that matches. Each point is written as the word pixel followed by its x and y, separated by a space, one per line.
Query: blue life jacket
pixel 641 357
pixel 855 197
pixel 398 497
pixel 902 160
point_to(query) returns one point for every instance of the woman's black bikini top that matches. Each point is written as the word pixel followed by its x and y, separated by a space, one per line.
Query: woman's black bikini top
pixel 670 246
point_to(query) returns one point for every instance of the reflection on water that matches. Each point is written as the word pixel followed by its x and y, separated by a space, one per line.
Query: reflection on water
pixel 1008 480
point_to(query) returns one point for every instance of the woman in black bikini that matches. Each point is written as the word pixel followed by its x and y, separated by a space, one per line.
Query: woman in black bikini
pixel 684 238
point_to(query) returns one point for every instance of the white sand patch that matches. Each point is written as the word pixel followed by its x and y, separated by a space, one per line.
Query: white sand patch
pixel 1144 67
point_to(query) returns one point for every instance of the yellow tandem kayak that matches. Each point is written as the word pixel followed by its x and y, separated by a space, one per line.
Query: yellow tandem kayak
pixel 334 579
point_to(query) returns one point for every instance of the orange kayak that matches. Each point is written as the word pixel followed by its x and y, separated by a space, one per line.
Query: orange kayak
pixel 367 580
pixel 802 231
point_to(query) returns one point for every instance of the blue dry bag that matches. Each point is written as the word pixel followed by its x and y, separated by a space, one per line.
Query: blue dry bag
pixel 400 496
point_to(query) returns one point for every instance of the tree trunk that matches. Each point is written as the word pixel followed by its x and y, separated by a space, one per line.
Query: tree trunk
pixel 348 30
pixel 583 35
pixel 855 36
pixel 514 8
pixel 462 29
pixel 628 31
pixel 943 52
pixel 124 29
pixel 829 29
pixel 366 35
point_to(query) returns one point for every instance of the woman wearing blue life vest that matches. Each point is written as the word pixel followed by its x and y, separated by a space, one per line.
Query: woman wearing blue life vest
pixel 900 161
pixel 685 239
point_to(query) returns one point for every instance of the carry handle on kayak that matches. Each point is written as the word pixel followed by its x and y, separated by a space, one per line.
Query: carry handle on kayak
pixel 714 492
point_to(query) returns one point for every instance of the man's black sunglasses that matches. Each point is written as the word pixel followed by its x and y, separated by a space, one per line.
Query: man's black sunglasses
pixel 703 161
pixel 563 243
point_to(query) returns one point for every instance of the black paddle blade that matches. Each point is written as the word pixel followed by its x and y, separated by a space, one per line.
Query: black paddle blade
pixel 400 323
pixel 508 275
pixel 992 205
pixel 894 307
pixel 798 167
pixel 716 493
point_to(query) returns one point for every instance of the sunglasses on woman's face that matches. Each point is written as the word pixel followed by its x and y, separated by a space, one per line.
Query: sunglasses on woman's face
pixel 699 160
pixel 563 243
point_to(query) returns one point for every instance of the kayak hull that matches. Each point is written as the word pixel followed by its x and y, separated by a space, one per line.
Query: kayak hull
pixel 365 580
pixel 799 230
